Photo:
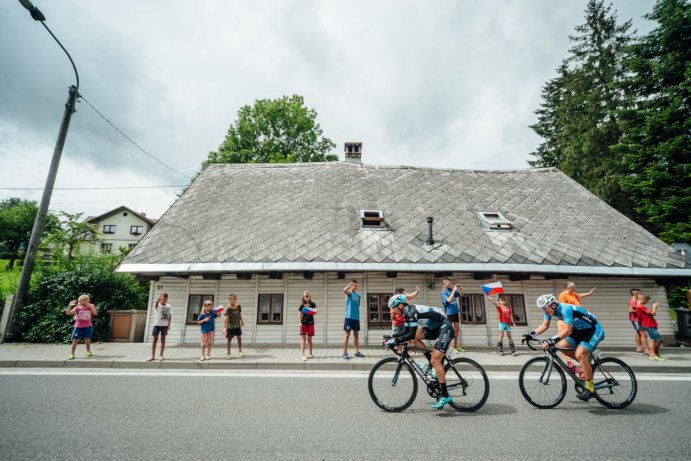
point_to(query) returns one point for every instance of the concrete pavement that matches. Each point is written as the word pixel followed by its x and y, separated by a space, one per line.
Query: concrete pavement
pixel 284 357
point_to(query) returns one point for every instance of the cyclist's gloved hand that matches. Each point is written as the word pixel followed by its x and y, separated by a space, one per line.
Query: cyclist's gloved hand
pixel 391 342
pixel 530 335
pixel 551 342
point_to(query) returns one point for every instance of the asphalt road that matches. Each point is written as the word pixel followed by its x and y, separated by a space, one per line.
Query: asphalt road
pixel 73 414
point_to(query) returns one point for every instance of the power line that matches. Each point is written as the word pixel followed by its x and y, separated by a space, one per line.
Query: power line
pixel 129 139
pixel 93 188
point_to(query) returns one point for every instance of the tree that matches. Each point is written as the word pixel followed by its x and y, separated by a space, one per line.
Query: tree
pixel 17 218
pixel 69 235
pixel 656 143
pixel 43 318
pixel 577 118
pixel 274 131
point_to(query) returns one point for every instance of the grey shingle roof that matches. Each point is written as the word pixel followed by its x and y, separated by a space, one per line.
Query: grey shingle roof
pixel 308 213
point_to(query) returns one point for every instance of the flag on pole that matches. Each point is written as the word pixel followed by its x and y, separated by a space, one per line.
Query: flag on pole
pixel 494 288
pixel 217 309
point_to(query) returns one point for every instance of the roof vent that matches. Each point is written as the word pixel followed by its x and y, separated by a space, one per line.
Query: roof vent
pixel 372 219
pixel 494 221
pixel 353 152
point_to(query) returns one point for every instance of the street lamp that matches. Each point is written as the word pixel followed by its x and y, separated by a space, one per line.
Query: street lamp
pixel 40 221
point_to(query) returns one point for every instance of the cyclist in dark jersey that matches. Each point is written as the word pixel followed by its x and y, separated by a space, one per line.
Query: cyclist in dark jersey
pixel 438 327
pixel 578 329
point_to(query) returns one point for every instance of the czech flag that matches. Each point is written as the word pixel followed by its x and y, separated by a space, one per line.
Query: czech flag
pixel 493 289
pixel 308 311
pixel 216 310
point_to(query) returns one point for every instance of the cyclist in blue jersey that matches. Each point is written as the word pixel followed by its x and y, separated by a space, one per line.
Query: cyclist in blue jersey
pixel 577 328
pixel 438 327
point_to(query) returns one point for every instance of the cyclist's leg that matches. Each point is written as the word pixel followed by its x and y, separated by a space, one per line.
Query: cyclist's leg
pixel 568 343
pixel 446 334
pixel 586 347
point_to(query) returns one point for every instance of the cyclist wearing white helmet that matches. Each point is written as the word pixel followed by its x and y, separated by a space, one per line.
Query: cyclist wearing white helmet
pixel 439 328
pixel 578 329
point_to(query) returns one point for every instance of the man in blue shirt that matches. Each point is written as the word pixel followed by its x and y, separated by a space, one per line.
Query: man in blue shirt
pixel 352 319
pixel 449 301
pixel 579 334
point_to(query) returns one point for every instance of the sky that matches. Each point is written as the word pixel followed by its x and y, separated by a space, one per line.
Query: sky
pixel 436 83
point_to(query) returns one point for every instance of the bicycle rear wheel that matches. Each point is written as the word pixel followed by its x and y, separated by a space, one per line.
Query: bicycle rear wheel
pixel 467 384
pixel 392 384
pixel 541 386
pixel 615 384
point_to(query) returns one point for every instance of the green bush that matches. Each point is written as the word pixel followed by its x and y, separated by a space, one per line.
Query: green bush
pixel 43 318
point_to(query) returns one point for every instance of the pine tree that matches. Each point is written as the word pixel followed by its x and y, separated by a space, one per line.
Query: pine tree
pixel 656 145
pixel 577 116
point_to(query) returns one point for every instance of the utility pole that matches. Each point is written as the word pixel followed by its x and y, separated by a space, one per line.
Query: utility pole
pixel 40 221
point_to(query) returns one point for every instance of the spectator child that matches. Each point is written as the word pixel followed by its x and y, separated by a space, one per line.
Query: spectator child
pixel 306 313
pixel 206 320
pixel 505 314
pixel 641 336
pixel 83 312
pixel 351 322
pixel 646 317
pixel 163 313
pixel 449 301
pixel 232 325
pixel 397 319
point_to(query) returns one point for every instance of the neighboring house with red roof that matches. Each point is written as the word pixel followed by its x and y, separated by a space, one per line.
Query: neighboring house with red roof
pixel 267 232
pixel 121 227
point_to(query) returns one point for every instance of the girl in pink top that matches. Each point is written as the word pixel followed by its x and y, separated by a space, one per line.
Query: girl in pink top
pixel 83 312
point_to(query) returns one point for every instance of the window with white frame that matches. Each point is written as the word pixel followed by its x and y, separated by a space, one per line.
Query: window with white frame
pixel 372 219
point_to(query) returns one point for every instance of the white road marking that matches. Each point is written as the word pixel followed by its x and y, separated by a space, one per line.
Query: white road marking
pixel 500 376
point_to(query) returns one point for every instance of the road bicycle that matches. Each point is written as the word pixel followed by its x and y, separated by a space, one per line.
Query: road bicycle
pixel 393 384
pixel 543 379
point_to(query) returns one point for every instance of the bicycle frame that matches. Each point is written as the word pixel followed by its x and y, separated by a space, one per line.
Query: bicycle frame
pixel 405 356
pixel 594 361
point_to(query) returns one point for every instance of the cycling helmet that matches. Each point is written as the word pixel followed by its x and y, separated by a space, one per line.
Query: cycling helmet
pixel 544 301
pixel 396 300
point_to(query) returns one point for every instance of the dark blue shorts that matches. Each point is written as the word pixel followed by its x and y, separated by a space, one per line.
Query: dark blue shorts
pixel 159 330
pixel 351 325
pixel 232 332
pixel 82 333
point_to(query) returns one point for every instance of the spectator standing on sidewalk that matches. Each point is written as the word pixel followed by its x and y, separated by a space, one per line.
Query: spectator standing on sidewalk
pixel 647 319
pixel 641 336
pixel 569 295
pixel 206 320
pixel 449 301
pixel 83 312
pixel 232 325
pixel 163 318
pixel 306 313
pixel 352 319
pixel 505 314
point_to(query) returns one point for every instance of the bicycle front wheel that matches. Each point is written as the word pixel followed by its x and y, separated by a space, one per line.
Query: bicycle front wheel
pixel 467 384
pixel 392 384
pixel 542 385
pixel 614 382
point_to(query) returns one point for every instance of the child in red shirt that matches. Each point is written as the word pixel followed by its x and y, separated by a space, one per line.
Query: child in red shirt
pixel 505 314
pixel 646 318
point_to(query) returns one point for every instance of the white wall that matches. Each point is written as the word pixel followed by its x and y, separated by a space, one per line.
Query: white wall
pixel 609 304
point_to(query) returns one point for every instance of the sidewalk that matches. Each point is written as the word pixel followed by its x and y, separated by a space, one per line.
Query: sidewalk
pixel 282 357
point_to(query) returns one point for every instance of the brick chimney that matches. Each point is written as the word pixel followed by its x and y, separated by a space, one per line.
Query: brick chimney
pixel 353 152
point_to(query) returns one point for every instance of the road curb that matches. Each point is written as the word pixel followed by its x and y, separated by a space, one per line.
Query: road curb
pixel 278 366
